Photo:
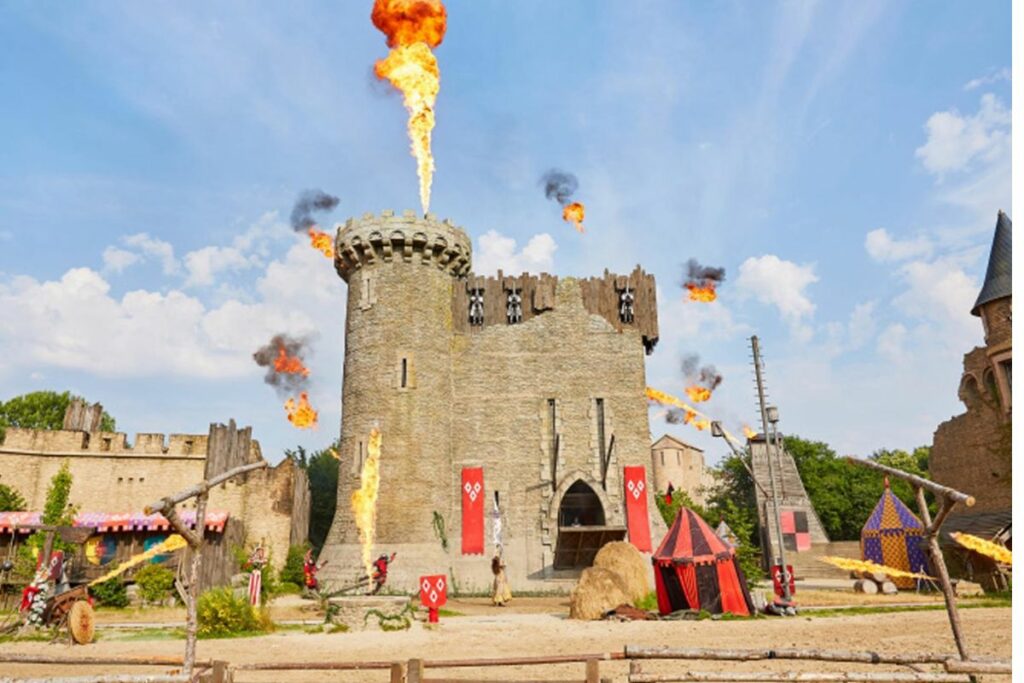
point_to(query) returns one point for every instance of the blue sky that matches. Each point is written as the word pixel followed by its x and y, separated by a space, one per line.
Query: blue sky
pixel 844 161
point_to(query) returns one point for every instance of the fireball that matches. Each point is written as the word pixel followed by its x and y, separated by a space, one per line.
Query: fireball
pixel 301 414
pixel 573 213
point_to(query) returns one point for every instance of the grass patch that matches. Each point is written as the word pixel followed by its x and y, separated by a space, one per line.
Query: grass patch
pixel 153 633
pixel 38 637
pixel 442 612
pixel 979 603
pixel 647 603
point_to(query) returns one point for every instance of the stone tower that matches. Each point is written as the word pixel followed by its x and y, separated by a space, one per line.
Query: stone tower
pixel 972 451
pixel 511 409
pixel 400 272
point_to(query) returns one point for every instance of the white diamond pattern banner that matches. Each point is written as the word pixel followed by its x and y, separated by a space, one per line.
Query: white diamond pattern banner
pixel 472 511
pixel 637 520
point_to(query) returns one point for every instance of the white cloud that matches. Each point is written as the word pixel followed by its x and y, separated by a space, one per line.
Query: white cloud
pixel 862 324
pixel 204 264
pixel 776 282
pixel 881 246
pixel 941 292
pixel 892 342
pixel 990 79
pixel 156 248
pixel 115 259
pixel 75 322
pixel 956 141
pixel 496 251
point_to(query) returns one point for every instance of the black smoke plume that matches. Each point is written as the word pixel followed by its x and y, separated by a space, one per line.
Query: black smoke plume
pixel 707 376
pixel 696 274
pixel 308 203
pixel 283 382
pixel 675 416
pixel 559 185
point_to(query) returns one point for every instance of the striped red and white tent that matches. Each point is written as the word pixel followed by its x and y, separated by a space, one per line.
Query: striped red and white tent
pixel 695 569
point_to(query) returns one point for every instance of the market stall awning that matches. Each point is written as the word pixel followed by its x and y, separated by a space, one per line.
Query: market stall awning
pixel 577 545
pixel 113 521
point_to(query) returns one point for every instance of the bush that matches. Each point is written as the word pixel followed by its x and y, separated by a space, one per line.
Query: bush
pixel 110 593
pixel 10 499
pixel 155 582
pixel 222 613
pixel 291 572
pixel 649 602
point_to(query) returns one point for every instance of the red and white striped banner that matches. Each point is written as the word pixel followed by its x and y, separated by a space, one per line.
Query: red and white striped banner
pixel 255 585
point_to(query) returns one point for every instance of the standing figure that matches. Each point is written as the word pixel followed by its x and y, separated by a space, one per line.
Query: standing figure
pixel 380 572
pixel 626 299
pixel 476 307
pixel 257 560
pixel 514 311
pixel 502 592
pixel 309 570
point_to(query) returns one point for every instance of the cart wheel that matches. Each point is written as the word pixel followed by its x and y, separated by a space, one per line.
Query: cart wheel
pixel 82 622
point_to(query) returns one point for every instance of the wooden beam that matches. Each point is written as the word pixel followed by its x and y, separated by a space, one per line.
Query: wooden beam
pixel 801 676
pixel 859 656
pixel 938 489
pixel 939 567
pixel 195 490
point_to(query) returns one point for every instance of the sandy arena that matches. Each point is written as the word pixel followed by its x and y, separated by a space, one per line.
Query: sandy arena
pixel 538 626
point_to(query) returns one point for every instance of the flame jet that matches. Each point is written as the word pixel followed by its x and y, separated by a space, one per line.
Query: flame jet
pixel 364 499
pixel 413 28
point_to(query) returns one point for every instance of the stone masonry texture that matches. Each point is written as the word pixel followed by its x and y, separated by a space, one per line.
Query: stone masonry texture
pixel 448 395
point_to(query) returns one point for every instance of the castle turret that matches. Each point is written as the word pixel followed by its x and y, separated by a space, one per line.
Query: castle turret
pixel 400 271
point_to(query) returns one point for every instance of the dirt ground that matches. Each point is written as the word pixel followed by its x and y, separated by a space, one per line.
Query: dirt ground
pixel 535 626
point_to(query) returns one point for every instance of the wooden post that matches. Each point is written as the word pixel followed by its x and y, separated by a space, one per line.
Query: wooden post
pixel 398 672
pixel 939 567
pixel 221 673
pixel 415 671
pixel 593 671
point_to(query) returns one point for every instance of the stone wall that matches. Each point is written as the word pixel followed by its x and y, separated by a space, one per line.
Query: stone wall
pixel 448 395
pixel 109 475
pixel 682 465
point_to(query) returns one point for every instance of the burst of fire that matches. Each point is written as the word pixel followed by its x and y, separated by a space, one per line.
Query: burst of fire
pixel 852 565
pixel 413 27
pixel 704 293
pixel 322 241
pixel 334 453
pixel 748 432
pixel 171 543
pixel 698 394
pixel 573 213
pixel 301 414
pixel 364 499
pixel 982 547
pixel 289 365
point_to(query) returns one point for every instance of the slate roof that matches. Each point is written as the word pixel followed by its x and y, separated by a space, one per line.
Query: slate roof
pixel 998 277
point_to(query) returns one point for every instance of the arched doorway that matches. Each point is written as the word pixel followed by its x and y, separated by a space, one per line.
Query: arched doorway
pixel 580 506
pixel 582 527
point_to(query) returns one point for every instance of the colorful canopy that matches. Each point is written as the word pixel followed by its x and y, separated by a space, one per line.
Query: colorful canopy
pixel 695 569
pixel 113 521
pixel 893 536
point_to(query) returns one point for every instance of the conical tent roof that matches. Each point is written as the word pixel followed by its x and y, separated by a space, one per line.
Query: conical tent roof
pixel 890 514
pixel 691 540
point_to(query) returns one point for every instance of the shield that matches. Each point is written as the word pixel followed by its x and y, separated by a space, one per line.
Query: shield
pixel 434 590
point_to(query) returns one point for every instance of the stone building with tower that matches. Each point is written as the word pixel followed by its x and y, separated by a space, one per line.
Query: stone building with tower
pixel 972 451
pixel 681 465
pixel 511 409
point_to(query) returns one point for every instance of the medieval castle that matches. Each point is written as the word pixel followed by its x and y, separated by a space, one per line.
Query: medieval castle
pixel 511 408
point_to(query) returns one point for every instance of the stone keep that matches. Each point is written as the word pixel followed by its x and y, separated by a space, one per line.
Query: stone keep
pixel 548 399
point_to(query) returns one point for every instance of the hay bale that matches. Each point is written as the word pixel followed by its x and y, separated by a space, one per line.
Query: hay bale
pixel 598 591
pixel 624 559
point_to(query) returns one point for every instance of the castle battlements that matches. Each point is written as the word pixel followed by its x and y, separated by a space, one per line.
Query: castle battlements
pixel 413 238
pixel 65 443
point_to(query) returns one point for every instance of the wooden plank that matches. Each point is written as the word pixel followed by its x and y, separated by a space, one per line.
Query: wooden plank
pixel 862 656
pixel 398 672
pixel 957 666
pixel 414 674
pixel 800 676
pixel 939 490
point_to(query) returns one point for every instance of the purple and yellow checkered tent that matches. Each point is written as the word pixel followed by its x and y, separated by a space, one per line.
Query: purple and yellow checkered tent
pixel 892 536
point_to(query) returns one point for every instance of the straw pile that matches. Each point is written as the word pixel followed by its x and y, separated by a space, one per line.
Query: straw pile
pixel 624 559
pixel 598 591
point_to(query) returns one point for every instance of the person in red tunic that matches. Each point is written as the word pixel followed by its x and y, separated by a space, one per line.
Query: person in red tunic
pixel 380 572
pixel 309 570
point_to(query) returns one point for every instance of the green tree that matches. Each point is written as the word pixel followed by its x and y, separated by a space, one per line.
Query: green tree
pixel 322 469
pixel 41 410
pixel 10 499
pixel 57 510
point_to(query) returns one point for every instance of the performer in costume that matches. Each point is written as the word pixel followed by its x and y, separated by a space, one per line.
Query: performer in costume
pixel 309 570
pixel 257 560
pixel 380 572
pixel 502 592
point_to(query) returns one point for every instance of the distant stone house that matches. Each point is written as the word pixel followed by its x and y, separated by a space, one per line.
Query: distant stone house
pixel 675 462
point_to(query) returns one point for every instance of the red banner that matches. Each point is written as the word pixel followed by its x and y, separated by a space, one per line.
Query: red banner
pixel 434 590
pixel 472 511
pixel 637 520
